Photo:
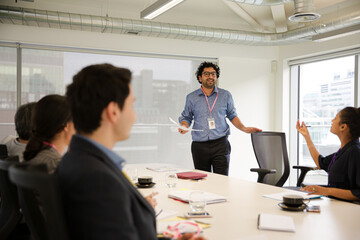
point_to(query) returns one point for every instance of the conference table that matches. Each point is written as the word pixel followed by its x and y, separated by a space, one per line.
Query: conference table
pixel 237 218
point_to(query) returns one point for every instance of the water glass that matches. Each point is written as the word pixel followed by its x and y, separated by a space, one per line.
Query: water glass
pixel 133 174
pixel 170 179
pixel 197 201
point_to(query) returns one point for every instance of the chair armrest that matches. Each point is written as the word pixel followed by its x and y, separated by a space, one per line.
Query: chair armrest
pixel 304 170
pixel 262 173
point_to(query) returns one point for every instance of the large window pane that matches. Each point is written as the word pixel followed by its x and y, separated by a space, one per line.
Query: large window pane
pixel 326 87
pixel 42 74
pixel 160 86
pixel 8 102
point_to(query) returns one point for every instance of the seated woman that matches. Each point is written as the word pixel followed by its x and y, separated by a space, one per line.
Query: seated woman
pixel 52 128
pixel 343 167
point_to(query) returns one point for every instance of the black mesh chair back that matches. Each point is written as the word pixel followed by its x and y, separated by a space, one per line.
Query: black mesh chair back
pixel 3 151
pixel 271 153
pixel 40 200
pixel 10 214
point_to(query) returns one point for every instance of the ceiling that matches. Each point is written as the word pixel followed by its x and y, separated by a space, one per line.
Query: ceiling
pixel 270 22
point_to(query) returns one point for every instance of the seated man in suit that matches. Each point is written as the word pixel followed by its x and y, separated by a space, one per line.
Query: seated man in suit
pixel 16 145
pixel 99 201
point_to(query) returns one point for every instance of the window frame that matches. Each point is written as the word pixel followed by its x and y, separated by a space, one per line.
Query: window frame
pixel 294 66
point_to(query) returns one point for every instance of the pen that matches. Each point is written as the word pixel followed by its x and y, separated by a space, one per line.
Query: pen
pixel 308 126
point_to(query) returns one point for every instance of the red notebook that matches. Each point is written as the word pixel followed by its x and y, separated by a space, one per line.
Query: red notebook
pixel 191 175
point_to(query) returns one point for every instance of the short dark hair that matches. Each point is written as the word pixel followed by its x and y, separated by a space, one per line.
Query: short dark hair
pixel 203 65
pixel 351 117
pixel 50 116
pixel 23 120
pixel 92 89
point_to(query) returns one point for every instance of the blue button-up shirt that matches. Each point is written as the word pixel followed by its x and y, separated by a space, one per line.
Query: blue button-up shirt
pixel 197 109
pixel 119 161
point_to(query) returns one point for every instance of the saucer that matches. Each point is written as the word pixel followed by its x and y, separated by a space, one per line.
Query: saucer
pixel 285 207
pixel 150 185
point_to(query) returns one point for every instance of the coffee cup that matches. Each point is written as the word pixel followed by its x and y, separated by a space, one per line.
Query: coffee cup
pixel 143 180
pixel 293 200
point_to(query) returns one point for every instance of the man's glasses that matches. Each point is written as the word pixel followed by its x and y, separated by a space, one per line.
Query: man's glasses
pixel 207 74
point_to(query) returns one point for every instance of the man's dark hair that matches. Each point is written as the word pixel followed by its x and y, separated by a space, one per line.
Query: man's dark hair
pixel 23 120
pixel 207 65
pixel 351 117
pixel 93 88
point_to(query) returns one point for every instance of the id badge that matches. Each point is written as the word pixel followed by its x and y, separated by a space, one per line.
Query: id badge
pixel 211 122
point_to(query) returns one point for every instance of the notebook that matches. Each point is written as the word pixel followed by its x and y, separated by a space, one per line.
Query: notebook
pixel 184 195
pixel 191 175
pixel 276 223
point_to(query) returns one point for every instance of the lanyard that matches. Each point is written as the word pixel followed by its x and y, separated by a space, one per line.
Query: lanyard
pixel 51 145
pixel 331 163
pixel 210 109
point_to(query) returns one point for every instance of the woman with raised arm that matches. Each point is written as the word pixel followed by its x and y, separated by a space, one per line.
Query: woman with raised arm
pixel 52 128
pixel 343 167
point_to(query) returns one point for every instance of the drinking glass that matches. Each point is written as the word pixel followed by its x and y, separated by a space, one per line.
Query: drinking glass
pixel 170 179
pixel 133 174
pixel 197 201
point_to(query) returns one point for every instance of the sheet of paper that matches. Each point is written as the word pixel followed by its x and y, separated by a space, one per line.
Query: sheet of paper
pixel 279 196
pixel 276 222
pixel 184 128
pixel 164 214
pixel 162 169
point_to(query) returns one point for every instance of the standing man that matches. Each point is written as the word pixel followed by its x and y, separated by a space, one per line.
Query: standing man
pixel 99 201
pixel 208 106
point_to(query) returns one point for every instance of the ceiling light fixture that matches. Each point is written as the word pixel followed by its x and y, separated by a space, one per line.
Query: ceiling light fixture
pixel 159 7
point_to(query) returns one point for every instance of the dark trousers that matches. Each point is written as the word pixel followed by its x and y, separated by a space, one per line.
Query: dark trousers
pixel 213 153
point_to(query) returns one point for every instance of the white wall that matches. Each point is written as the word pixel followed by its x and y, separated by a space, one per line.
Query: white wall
pixel 251 83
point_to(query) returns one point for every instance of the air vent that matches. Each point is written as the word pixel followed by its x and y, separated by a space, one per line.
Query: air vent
pixel 304 17
pixel 304 11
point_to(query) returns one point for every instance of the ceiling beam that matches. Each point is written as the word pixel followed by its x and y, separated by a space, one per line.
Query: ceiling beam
pixel 244 15
pixel 278 12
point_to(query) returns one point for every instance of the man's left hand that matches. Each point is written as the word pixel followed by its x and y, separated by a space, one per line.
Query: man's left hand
pixel 251 129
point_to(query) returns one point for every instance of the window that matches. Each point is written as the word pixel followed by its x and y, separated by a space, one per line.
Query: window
pixel 160 84
pixel 8 95
pixel 324 88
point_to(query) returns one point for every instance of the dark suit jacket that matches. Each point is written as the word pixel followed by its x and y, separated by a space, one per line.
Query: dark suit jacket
pixel 99 201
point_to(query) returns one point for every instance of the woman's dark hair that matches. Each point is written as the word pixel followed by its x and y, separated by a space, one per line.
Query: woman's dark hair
pixel 92 89
pixel 351 117
pixel 50 116
pixel 203 65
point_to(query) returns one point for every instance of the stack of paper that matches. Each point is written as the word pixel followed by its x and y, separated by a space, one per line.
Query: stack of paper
pixel 185 195
pixel 276 222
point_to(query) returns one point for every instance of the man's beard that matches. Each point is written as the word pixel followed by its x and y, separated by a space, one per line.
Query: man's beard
pixel 209 86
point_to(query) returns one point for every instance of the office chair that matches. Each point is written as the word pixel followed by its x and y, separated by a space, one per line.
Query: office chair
pixel 272 157
pixel 3 151
pixel 40 200
pixel 10 214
